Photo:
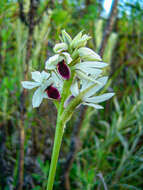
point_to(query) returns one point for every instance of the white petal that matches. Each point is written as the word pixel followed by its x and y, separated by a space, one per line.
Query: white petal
pixel 56 77
pixel 29 85
pixel 91 64
pixel 37 98
pixel 96 106
pixel 95 89
pixel 57 80
pixel 36 76
pixel 88 54
pixel 67 57
pixel 52 62
pixel 44 75
pixel 101 98
pixel 74 89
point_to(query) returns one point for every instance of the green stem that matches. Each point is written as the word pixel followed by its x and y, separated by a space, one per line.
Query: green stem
pixel 63 116
pixel 55 154
pixel 58 136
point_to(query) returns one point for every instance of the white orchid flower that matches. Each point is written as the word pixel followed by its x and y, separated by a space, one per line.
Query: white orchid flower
pixel 60 63
pixel 89 98
pixel 45 84
pixel 89 70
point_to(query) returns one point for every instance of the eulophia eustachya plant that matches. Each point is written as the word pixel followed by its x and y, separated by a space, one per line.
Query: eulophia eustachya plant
pixel 73 61
pixel 73 77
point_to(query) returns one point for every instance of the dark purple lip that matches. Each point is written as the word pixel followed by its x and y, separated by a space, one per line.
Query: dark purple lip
pixel 53 93
pixel 63 70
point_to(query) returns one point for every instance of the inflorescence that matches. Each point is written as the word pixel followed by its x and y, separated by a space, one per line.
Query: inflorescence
pixel 72 59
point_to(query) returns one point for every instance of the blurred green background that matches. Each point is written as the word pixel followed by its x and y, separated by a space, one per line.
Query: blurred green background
pixel 106 150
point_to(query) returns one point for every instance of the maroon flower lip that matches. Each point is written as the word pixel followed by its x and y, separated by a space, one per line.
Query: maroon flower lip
pixel 53 93
pixel 63 70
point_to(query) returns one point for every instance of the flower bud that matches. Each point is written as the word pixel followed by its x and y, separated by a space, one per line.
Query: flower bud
pixel 60 47
pixel 76 38
pixel 68 100
pixel 87 54
pixel 79 40
pixel 66 37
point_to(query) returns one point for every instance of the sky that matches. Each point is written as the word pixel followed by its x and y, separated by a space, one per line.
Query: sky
pixel 107 5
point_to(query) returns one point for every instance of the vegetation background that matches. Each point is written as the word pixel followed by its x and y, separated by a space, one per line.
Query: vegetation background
pixel 101 149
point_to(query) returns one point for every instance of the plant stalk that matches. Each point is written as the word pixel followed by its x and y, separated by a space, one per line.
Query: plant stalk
pixel 55 153
pixel 63 117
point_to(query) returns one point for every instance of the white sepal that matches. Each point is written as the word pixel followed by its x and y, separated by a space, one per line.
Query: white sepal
pixel 36 75
pixel 74 89
pixel 30 85
pixel 103 81
pixel 101 98
pixel 91 71
pixel 91 64
pixel 37 98
pixel 45 75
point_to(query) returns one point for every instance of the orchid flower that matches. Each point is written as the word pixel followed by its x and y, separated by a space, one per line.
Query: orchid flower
pixel 89 70
pixel 60 63
pixel 46 88
pixel 90 98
